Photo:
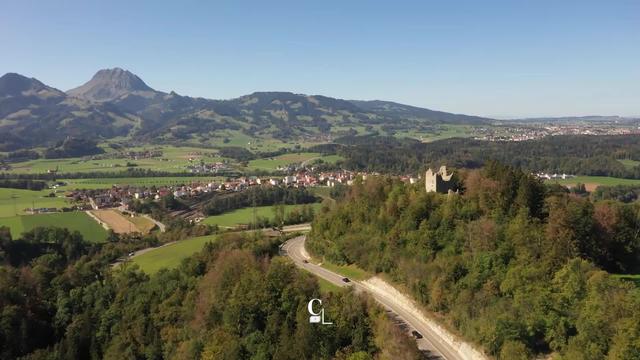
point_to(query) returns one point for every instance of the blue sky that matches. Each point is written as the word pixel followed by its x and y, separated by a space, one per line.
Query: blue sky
pixel 492 58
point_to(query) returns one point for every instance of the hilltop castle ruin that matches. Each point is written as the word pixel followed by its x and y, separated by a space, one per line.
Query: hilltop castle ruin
pixel 438 181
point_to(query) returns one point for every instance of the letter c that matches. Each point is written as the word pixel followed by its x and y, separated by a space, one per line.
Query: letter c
pixel 310 306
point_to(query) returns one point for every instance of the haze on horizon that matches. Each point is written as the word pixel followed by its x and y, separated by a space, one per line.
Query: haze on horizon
pixel 492 58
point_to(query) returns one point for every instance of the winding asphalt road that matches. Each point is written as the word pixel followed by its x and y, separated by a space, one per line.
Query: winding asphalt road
pixel 431 342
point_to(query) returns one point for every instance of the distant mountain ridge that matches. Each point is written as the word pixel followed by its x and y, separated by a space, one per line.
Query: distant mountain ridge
pixel 116 102
pixel 110 84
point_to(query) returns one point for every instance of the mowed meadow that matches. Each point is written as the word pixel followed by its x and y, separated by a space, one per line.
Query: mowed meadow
pixel 246 215
pixel 73 221
pixel 169 256
pixel 273 163
pixel 173 159
pixel 592 182
pixel 14 201
pixel 107 183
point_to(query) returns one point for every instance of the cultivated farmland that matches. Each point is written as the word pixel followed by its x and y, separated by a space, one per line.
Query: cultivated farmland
pixel 170 256
pixel 115 221
pixel 74 221
pixel 245 215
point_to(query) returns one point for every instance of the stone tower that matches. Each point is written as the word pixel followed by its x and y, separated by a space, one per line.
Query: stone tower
pixel 438 181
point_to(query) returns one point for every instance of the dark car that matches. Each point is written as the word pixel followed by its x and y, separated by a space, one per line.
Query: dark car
pixel 345 279
pixel 305 261
pixel 416 334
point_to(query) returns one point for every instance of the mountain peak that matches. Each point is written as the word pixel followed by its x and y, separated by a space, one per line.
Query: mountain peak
pixel 109 84
pixel 13 84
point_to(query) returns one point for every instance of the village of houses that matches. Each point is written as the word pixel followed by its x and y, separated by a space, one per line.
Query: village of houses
pixel 98 203
pixel 122 195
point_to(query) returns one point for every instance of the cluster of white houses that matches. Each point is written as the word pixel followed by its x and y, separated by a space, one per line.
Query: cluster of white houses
pixel 121 195
pixel 547 176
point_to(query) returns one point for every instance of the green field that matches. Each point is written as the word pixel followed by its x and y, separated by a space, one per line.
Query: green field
pixel 74 221
pixel 597 180
pixel 282 160
pixel 245 215
pixel 173 159
pixel 632 278
pixel 270 164
pixel 14 201
pixel 136 181
pixel 443 132
pixel 142 223
pixel 332 159
pixel 171 255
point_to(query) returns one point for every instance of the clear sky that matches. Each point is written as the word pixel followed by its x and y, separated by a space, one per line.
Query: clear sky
pixel 482 57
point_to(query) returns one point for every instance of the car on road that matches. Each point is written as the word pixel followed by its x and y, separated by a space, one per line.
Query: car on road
pixel 131 254
pixel 346 280
pixel 416 334
pixel 305 261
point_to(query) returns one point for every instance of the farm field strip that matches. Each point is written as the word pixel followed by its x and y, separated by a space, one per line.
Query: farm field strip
pixel 281 160
pixel 105 183
pixel 245 215
pixel 592 182
pixel 14 201
pixel 115 221
pixel 73 221
pixel 171 255
pixel 143 224
pixel 173 159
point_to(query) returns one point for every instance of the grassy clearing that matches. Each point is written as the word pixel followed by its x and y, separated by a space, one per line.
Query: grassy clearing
pixel 142 223
pixel 14 224
pixel 106 183
pixel 632 278
pixel 350 271
pixel 331 159
pixel 170 256
pixel 282 160
pixel 443 132
pixel 14 201
pixel 629 164
pixel 74 221
pixel 173 159
pixel 270 164
pixel 245 215
pixel 597 180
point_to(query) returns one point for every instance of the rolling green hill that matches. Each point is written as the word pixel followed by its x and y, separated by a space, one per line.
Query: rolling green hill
pixel 73 221
pixel 117 103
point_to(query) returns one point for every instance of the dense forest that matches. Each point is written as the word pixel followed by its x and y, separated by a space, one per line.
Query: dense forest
pixel 516 267
pixel 59 299
pixel 258 196
pixel 571 154
pixel 35 185
pixel 623 193
pixel 73 147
